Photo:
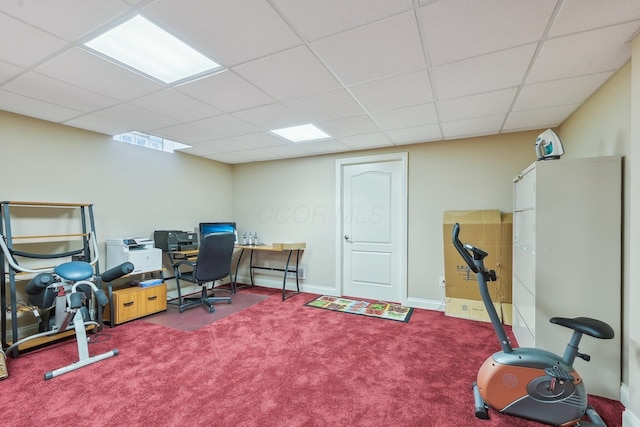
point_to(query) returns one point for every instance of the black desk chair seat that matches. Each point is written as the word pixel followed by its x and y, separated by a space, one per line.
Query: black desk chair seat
pixel 213 263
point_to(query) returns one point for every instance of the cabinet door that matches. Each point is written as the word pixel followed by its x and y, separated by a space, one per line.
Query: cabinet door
pixel 126 304
pixel 153 299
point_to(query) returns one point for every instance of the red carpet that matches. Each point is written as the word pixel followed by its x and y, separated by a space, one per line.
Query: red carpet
pixel 272 364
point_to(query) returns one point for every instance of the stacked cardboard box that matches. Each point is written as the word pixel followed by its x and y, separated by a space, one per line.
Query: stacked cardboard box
pixel 491 231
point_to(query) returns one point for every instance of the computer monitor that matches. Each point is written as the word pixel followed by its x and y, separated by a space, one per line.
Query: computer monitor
pixel 217 227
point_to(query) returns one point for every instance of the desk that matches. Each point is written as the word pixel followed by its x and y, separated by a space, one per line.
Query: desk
pixel 275 247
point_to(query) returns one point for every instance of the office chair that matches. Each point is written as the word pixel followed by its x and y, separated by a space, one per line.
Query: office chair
pixel 213 263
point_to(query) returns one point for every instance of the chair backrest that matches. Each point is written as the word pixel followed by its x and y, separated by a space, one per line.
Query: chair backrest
pixel 214 257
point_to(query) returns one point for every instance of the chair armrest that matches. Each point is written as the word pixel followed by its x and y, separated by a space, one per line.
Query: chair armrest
pixel 178 264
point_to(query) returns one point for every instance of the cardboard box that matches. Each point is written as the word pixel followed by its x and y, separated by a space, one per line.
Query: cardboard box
pixel 504 267
pixel 469 309
pixel 491 231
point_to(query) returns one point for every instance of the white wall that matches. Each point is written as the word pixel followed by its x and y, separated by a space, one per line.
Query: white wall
pixel 603 126
pixel 294 200
pixel 134 190
pixel 631 417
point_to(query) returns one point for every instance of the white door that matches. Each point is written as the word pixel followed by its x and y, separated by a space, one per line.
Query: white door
pixel 372 231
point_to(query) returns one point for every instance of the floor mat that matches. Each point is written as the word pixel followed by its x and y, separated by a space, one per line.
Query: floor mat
pixel 197 317
pixel 379 309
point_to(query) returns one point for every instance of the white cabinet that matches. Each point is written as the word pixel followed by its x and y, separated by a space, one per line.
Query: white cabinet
pixel 567 260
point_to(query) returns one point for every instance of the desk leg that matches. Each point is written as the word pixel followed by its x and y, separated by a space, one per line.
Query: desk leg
pixel 297 263
pixel 251 267
pixel 233 285
pixel 286 271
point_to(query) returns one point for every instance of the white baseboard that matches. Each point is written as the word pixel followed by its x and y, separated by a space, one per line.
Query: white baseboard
pixel 427 304
pixel 629 419
pixel 624 394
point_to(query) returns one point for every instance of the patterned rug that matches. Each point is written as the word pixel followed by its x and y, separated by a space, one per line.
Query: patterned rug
pixel 379 309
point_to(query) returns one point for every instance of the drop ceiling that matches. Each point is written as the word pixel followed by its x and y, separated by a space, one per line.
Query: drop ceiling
pixel 370 73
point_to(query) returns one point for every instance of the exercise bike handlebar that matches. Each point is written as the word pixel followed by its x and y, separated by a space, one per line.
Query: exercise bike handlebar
pixel 462 250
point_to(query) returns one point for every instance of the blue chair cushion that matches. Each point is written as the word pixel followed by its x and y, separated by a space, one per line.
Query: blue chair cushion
pixel 74 270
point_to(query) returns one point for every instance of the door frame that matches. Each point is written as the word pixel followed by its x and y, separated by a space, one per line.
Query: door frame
pixel 401 157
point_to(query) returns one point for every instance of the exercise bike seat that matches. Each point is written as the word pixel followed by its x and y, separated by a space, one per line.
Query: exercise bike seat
pixel 586 325
pixel 74 270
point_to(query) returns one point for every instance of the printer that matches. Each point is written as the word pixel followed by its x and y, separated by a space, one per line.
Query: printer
pixel 174 240
pixel 140 251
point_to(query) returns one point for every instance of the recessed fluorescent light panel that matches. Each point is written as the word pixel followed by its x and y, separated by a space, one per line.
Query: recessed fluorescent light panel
pixel 301 133
pixel 143 46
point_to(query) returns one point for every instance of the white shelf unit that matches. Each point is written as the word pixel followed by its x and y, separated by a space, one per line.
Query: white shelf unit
pixel 567 260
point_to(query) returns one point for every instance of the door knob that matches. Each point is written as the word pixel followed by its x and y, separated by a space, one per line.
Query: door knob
pixel 346 237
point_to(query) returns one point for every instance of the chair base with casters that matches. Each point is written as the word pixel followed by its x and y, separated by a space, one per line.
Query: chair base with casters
pixel 213 263
pixel 185 303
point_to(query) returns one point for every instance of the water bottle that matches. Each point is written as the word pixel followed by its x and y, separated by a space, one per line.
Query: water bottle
pixel 250 241
pixel 244 238
pixel 255 238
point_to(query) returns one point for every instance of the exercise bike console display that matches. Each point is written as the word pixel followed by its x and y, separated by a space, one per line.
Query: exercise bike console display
pixel 529 382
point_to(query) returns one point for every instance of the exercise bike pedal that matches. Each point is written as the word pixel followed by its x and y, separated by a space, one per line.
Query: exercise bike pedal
pixel 558 373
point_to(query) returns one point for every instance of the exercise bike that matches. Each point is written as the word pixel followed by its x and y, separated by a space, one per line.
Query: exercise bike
pixel 529 382
pixel 60 296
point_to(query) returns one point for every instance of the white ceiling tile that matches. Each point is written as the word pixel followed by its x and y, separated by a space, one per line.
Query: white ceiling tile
pixel 281 151
pixel 171 103
pixel 203 150
pixel 484 104
pixel 8 71
pixel 187 133
pixel 257 140
pixel 326 106
pixel 324 146
pixel 290 74
pixel 559 92
pixel 489 125
pixel 230 31
pixel 81 68
pixel 222 145
pixel 485 73
pixel 348 126
pixel 459 29
pixel 394 92
pixel 47 89
pixel 26 45
pixel 272 116
pixel 416 134
pixel 317 19
pixel 580 15
pixel 590 52
pixel 381 49
pixel 226 91
pixel 537 119
pixel 368 140
pixel 224 126
pixel 61 17
pixel 120 119
pixel 418 115
pixel 34 108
